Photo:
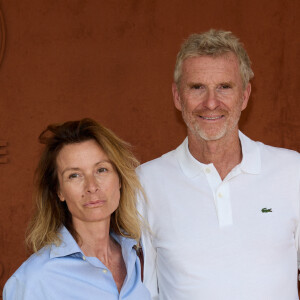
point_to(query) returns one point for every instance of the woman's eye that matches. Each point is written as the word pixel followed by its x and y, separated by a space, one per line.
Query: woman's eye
pixel 101 170
pixel 74 175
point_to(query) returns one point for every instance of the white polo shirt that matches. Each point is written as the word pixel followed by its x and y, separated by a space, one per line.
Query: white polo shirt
pixel 235 239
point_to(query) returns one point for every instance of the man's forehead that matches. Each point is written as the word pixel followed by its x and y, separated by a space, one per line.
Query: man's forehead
pixel 228 56
pixel 209 63
pixel 211 68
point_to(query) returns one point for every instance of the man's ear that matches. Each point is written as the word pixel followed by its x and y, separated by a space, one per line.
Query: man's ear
pixel 246 95
pixel 176 96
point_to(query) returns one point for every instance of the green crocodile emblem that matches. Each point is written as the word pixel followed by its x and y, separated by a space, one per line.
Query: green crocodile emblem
pixel 266 210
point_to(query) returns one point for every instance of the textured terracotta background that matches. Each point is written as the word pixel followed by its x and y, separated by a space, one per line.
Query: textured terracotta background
pixel 113 61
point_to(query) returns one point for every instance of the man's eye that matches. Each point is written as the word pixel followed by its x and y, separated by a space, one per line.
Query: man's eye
pixel 101 170
pixel 225 86
pixel 196 86
pixel 73 175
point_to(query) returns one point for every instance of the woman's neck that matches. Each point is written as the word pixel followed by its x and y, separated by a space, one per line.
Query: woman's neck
pixel 95 241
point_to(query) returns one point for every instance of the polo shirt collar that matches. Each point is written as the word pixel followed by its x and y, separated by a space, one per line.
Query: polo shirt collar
pixel 191 167
pixel 251 162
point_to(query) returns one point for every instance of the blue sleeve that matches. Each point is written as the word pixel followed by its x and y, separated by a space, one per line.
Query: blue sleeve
pixel 13 289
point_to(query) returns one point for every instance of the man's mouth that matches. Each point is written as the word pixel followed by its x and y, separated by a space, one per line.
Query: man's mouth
pixel 212 118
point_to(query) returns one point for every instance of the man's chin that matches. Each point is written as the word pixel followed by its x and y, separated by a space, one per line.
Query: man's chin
pixel 210 136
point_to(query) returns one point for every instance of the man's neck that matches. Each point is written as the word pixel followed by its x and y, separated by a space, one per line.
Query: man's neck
pixel 224 153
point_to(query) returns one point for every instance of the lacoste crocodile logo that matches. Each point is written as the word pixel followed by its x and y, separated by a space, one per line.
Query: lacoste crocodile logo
pixel 266 210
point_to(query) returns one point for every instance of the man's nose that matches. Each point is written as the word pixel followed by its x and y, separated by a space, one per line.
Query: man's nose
pixel 211 101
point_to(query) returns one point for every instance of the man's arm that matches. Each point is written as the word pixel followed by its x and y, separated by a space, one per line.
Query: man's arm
pixel 298 247
pixel 298 285
pixel 149 251
pixel 150 275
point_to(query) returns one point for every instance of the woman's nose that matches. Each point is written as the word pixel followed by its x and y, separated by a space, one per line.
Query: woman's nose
pixel 91 184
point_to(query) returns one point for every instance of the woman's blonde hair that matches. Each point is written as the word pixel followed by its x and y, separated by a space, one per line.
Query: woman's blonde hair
pixel 51 213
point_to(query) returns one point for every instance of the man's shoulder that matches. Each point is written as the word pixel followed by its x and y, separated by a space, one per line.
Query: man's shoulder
pixel 283 154
pixel 271 153
pixel 157 171
pixel 164 162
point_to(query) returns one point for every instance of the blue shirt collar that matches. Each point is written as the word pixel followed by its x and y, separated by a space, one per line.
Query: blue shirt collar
pixel 69 246
pixel 126 246
pixel 191 167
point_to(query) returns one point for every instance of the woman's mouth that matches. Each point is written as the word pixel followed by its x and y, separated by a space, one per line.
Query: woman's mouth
pixel 92 204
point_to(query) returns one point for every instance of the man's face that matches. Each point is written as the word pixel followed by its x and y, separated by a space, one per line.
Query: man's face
pixel 211 95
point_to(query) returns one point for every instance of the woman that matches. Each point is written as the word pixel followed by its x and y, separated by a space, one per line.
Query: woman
pixel 86 226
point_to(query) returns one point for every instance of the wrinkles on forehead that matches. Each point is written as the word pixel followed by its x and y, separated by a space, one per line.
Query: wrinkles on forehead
pixel 228 55
pixel 212 70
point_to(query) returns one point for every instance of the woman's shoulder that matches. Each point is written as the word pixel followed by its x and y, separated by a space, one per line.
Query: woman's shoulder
pixel 33 266
pixel 24 280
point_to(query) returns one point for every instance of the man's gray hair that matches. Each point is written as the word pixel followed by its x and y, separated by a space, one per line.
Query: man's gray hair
pixel 214 43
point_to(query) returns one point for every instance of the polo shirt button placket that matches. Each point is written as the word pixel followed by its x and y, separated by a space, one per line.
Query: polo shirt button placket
pixel 224 205
pixel 207 170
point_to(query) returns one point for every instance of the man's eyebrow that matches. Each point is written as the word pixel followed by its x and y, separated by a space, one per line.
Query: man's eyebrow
pixel 229 82
pixel 195 83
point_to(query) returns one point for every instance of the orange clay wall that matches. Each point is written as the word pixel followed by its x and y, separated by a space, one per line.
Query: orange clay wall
pixel 113 61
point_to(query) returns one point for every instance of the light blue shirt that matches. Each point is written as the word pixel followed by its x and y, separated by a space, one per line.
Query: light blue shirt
pixel 65 273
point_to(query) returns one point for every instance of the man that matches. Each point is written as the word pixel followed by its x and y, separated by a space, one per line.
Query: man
pixel 223 210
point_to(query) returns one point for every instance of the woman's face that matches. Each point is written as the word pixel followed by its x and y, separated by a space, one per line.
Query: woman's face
pixel 88 182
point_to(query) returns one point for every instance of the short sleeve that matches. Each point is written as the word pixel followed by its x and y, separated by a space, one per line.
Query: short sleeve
pixel 150 275
pixel 298 231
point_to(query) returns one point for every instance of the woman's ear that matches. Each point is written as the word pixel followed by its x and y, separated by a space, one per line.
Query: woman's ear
pixel 60 196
